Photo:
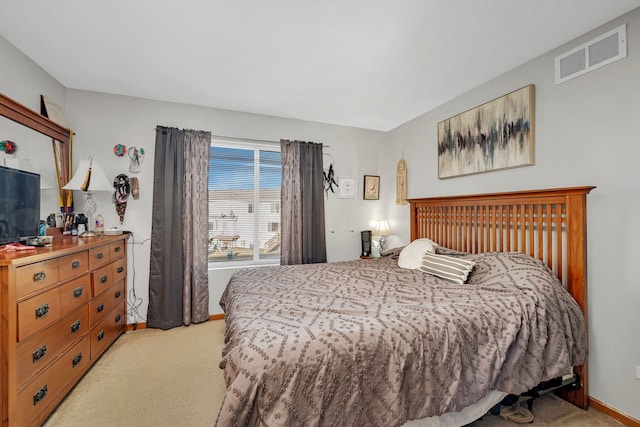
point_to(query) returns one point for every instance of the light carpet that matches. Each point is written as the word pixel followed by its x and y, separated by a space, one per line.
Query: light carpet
pixel 151 377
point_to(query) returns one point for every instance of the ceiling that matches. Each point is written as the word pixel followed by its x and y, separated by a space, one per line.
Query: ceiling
pixel 366 63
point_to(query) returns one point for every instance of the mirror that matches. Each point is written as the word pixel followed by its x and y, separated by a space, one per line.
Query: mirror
pixel 33 135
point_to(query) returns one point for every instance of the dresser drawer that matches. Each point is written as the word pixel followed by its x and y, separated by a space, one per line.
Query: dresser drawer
pixel 98 257
pixel 74 265
pixel 101 279
pixel 34 277
pixel 35 314
pixel 40 350
pixel 105 302
pixel 116 249
pixel 45 388
pixel 76 293
pixel 119 269
pixel 106 332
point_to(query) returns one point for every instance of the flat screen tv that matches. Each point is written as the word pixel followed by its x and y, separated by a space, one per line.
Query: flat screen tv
pixel 19 205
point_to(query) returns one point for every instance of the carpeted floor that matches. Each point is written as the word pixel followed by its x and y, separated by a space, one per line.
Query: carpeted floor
pixel 171 378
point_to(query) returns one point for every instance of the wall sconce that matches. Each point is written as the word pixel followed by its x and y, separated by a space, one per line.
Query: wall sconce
pixel 89 177
pixel 382 229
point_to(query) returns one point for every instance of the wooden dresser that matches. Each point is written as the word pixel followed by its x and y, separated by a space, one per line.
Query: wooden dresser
pixel 62 307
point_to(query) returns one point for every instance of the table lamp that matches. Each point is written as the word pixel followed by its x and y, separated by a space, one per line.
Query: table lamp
pixel 89 177
pixel 382 230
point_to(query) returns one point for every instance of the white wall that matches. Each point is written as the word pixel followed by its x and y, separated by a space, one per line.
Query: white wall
pixel 586 133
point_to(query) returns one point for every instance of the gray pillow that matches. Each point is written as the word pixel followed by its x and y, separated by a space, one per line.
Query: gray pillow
pixel 447 267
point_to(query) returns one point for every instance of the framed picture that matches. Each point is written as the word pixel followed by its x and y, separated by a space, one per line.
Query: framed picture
pixel 496 135
pixel 371 187
pixel 51 110
pixel 347 187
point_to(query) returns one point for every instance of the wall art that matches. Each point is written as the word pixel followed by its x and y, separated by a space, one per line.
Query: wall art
pixel 371 187
pixel 496 135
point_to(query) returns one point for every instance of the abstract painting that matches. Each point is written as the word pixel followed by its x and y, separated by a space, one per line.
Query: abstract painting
pixel 495 135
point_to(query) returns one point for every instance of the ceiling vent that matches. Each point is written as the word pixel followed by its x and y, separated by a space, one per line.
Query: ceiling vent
pixel 594 54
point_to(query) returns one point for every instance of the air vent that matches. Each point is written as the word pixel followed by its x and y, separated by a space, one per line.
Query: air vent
pixel 594 54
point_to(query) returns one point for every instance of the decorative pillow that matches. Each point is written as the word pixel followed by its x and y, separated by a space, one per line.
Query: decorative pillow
pixel 411 255
pixel 447 267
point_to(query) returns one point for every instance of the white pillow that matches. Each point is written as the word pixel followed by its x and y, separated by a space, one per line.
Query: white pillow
pixel 411 255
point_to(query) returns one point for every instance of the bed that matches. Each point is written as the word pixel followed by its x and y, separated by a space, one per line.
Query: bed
pixel 366 342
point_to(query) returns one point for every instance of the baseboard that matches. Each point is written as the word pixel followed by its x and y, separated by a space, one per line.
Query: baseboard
pixel 143 325
pixel 613 413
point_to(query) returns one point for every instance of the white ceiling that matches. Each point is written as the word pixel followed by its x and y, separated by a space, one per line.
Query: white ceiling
pixel 367 63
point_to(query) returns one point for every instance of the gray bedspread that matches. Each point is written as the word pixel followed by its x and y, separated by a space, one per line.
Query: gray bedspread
pixel 367 343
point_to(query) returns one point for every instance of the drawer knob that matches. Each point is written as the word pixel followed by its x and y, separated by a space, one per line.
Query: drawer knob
pixel 104 279
pixel 75 264
pixel 118 248
pixel 120 269
pixel 100 255
pixel 75 326
pixel 118 318
pixel 40 275
pixel 77 292
pixel 101 335
pixel 42 310
pixel 39 353
pixel 118 293
pixel 76 360
pixel 40 394
pixel 100 308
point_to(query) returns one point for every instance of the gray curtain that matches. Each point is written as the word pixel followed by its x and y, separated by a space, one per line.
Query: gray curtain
pixel 302 202
pixel 178 278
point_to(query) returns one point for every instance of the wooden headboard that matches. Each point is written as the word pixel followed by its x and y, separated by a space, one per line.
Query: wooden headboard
pixel 550 225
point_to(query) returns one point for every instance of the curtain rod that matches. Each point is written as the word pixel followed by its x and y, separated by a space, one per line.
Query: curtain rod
pixel 249 139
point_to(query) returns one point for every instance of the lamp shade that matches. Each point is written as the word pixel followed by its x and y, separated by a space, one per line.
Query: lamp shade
pixel 382 228
pixel 89 176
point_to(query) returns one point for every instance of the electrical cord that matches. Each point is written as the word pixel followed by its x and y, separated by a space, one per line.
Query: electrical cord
pixel 134 302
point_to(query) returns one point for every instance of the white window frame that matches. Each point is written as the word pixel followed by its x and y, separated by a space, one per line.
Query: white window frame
pixel 245 144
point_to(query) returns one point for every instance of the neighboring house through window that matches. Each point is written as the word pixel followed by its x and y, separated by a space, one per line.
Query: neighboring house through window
pixel 244 202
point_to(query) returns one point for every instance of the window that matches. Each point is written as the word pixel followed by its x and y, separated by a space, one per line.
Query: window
pixel 244 202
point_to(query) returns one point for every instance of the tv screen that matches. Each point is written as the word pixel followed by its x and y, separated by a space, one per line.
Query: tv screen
pixel 19 204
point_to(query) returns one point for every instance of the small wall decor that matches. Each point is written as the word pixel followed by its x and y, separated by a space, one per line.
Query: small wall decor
pixel 137 156
pixel 8 147
pixel 135 188
pixel 347 187
pixel 401 183
pixel 119 150
pixel 496 135
pixel 371 187
pixel 329 180
pixel 123 188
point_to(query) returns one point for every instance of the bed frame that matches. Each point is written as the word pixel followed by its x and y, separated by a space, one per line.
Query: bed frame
pixel 550 225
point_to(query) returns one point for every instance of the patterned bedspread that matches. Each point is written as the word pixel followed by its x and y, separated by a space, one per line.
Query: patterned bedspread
pixel 367 343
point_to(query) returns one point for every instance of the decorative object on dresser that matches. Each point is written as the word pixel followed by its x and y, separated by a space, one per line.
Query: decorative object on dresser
pixel 89 177
pixel 496 135
pixel 62 306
